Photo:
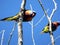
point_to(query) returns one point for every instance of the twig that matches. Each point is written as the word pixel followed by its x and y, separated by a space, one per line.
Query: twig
pixel 39 20
pixel 53 9
pixel 11 34
pixel 43 9
pixel 2 38
pixel 32 29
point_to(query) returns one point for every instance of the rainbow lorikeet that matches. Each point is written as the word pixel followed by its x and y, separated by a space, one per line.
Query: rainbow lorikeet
pixel 54 27
pixel 27 16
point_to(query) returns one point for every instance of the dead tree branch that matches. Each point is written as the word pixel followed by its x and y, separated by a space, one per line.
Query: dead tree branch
pixel 32 29
pixel 53 9
pixel 2 38
pixel 23 4
pixel 43 9
pixel 20 32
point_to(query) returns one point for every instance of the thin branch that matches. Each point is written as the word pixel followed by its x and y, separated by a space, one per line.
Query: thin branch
pixel 23 4
pixel 2 38
pixel 32 29
pixel 43 9
pixel 57 37
pixel 40 19
pixel 53 9
pixel 31 7
pixel 50 32
pixel 11 34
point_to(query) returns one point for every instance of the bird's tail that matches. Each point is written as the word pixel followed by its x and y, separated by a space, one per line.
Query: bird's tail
pixel 3 19
pixel 7 19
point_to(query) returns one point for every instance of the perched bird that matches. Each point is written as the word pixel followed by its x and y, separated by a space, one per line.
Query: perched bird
pixel 54 27
pixel 27 16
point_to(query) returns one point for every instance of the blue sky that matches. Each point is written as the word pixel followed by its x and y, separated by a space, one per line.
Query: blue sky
pixel 12 7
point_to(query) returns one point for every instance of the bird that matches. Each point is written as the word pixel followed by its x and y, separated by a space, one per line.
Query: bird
pixel 27 16
pixel 54 27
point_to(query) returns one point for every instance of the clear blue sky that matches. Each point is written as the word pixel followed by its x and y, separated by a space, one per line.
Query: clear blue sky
pixel 12 7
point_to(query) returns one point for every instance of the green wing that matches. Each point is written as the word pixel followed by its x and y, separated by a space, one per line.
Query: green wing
pixel 46 29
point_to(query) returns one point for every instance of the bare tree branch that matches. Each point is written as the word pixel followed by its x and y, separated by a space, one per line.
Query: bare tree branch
pixel 40 20
pixel 32 29
pixel 20 32
pixel 2 38
pixel 23 4
pixel 43 9
pixel 57 37
pixel 11 34
pixel 53 9
pixel 50 32
pixel 20 35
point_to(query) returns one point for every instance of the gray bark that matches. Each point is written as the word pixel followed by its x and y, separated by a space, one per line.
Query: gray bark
pixel 20 31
